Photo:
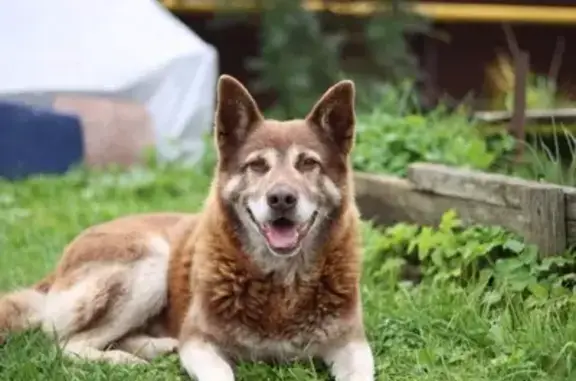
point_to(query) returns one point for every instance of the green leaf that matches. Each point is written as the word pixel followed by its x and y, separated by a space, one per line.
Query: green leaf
pixel 508 266
pixel 539 291
pixel 425 242
pixel 492 297
pixel 514 245
pixel 437 258
pixel 449 221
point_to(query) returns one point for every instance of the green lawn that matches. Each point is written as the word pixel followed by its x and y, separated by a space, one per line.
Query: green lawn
pixel 429 332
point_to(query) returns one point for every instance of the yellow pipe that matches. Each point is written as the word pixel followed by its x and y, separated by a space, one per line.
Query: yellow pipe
pixel 498 13
pixel 453 12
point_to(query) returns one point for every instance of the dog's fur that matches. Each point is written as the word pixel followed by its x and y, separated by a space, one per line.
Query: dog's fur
pixel 269 270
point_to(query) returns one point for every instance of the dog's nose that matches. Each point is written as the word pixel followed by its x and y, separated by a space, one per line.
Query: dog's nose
pixel 281 198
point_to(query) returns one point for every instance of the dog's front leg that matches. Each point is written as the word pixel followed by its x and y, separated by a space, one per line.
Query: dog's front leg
pixel 351 361
pixel 203 361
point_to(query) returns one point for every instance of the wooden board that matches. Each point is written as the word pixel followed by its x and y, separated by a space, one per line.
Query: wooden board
pixel 388 200
pixel 545 210
pixel 570 194
pixel 559 116
pixel 542 213
pixel 571 233
pixel 490 188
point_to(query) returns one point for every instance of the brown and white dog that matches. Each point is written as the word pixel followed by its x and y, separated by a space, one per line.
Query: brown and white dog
pixel 269 270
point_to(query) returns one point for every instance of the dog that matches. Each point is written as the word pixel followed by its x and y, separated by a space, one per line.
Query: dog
pixel 269 270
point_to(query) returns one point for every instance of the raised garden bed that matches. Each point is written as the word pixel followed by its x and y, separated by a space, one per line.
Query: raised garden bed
pixel 537 121
pixel 544 214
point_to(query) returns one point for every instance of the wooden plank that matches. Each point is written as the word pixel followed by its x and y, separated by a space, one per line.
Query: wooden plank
pixel 570 194
pixel 531 129
pixel 571 233
pixel 494 189
pixel 559 115
pixel 388 200
pixel 545 209
pixel 491 188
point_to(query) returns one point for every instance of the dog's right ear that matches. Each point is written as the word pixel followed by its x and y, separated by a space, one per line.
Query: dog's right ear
pixel 236 114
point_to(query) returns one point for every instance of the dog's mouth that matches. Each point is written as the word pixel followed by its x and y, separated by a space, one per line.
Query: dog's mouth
pixel 284 235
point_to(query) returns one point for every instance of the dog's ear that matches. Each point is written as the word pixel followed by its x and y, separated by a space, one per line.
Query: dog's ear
pixel 236 114
pixel 334 114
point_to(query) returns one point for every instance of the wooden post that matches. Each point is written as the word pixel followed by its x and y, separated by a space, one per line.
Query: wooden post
pixel 517 124
pixel 545 210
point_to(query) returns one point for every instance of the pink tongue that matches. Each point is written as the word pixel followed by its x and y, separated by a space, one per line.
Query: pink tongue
pixel 282 237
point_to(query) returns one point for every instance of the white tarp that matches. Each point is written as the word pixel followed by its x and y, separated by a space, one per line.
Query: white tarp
pixel 132 49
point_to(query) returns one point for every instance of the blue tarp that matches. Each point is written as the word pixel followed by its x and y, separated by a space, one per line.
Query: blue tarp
pixel 34 141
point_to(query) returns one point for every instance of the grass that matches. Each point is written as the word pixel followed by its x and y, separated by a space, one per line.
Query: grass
pixel 427 332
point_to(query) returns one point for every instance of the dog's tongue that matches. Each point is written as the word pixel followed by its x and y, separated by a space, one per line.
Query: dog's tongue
pixel 282 237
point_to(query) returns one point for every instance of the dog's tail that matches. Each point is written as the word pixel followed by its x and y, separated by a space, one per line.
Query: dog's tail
pixel 21 310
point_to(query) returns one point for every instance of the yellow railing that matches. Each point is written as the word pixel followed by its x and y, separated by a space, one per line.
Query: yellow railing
pixel 450 12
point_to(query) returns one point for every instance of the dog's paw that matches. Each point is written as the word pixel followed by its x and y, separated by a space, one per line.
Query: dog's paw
pixel 153 347
pixel 122 358
pixel 163 346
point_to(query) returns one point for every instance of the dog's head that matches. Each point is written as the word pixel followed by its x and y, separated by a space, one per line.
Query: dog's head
pixel 284 182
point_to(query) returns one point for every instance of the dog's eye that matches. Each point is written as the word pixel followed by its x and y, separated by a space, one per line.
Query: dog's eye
pixel 258 166
pixel 308 164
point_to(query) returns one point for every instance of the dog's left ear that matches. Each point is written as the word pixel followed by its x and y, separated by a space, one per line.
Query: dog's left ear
pixel 334 114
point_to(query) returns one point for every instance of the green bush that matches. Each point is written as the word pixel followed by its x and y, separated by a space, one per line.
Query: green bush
pixel 452 253
pixel 388 142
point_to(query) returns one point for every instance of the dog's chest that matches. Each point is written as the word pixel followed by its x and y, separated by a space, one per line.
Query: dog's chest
pixel 262 319
pixel 285 335
pixel 251 345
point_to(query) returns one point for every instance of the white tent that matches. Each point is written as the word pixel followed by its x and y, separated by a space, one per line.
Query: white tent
pixel 131 49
